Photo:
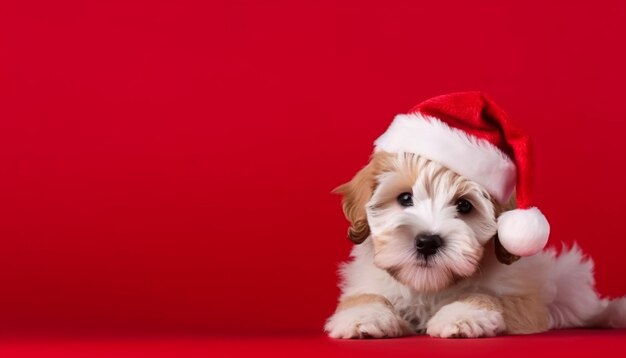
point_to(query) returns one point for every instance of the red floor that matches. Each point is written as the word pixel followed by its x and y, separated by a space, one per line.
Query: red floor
pixel 573 343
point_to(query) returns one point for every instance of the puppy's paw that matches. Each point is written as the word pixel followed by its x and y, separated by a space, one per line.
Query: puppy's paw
pixel 462 320
pixel 373 320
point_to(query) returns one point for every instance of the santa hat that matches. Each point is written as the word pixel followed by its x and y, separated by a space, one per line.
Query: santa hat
pixel 469 134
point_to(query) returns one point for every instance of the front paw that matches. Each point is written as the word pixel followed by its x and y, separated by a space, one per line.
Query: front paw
pixel 462 320
pixel 372 320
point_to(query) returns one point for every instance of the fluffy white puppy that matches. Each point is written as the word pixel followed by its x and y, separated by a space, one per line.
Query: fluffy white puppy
pixel 428 260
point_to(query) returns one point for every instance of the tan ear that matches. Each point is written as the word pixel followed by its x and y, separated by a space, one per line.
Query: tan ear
pixel 502 254
pixel 357 192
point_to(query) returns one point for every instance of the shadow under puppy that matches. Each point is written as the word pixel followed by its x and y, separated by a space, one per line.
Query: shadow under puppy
pixel 439 236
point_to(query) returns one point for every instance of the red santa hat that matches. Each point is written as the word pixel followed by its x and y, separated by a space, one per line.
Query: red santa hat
pixel 469 134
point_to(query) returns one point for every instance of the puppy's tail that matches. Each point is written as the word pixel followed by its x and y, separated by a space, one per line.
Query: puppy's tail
pixel 575 301
pixel 613 315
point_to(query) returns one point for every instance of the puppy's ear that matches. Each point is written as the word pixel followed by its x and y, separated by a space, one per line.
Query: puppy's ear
pixel 357 192
pixel 502 254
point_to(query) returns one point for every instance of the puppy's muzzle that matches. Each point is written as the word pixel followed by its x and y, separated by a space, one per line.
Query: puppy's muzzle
pixel 427 244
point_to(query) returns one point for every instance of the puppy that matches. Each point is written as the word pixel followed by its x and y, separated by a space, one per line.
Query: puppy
pixel 428 260
pixel 441 215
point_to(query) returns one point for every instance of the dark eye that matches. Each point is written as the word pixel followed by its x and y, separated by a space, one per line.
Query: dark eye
pixel 463 206
pixel 405 199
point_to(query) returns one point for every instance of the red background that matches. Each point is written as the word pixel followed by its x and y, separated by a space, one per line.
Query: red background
pixel 166 166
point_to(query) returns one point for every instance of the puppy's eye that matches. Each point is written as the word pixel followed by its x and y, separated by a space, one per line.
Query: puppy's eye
pixel 405 199
pixel 463 206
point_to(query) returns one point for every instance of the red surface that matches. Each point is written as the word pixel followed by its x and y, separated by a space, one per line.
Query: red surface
pixel 569 343
pixel 166 166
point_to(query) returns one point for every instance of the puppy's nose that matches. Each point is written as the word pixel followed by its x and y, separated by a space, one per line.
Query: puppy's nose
pixel 428 244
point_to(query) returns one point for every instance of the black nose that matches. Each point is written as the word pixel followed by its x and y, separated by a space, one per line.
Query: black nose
pixel 428 244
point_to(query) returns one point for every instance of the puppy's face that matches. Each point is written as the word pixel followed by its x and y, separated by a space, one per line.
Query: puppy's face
pixel 428 225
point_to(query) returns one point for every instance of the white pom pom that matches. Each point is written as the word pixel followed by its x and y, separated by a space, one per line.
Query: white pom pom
pixel 523 232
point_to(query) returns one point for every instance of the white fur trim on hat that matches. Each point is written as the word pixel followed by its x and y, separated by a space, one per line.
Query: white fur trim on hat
pixel 523 232
pixel 474 158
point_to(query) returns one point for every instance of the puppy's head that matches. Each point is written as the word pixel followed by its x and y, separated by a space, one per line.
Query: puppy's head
pixel 428 225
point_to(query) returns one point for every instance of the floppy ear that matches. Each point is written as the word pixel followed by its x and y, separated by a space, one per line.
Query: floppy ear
pixel 502 254
pixel 357 192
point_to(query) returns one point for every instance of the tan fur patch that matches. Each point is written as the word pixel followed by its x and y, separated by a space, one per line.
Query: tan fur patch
pixel 358 191
pixel 525 314
pixel 483 301
pixel 522 315
pixel 501 253
pixel 367 298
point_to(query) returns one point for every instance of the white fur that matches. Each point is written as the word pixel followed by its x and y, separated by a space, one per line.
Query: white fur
pixel 473 158
pixel 523 232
